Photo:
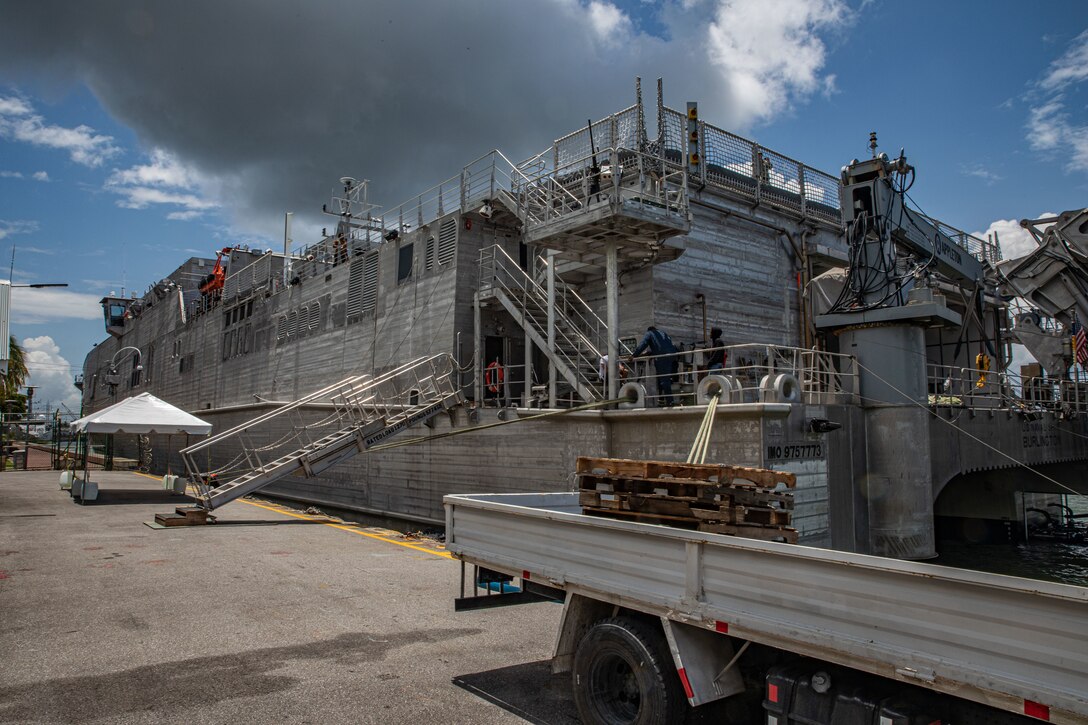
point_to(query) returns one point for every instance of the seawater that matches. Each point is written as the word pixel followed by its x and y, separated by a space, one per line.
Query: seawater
pixel 1050 561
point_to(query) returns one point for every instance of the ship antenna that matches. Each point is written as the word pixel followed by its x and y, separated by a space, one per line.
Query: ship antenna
pixel 872 142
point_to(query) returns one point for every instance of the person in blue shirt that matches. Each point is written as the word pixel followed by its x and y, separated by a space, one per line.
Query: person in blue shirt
pixel 660 346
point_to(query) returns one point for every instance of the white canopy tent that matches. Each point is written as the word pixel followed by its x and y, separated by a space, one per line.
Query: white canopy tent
pixel 143 413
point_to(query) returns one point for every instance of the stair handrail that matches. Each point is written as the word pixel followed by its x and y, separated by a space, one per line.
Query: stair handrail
pixel 576 350
pixel 591 316
pixel 540 294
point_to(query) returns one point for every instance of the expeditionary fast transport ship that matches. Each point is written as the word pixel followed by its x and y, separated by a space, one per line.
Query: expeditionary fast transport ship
pixel 867 345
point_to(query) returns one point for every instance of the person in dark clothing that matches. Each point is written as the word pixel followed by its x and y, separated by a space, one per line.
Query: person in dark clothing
pixel 716 361
pixel 660 346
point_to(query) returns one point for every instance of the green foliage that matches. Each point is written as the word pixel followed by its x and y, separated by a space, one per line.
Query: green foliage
pixel 16 375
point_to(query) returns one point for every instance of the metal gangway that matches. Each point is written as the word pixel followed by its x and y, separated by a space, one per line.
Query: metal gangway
pixel 314 433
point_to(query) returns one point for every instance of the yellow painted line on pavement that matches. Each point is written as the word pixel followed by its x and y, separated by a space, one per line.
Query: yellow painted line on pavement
pixel 350 529
pixel 342 527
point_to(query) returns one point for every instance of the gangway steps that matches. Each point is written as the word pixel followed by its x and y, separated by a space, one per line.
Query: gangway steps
pixel 326 452
pixel 367 411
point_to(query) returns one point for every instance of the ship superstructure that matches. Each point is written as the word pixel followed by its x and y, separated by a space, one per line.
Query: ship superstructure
pixel 884 387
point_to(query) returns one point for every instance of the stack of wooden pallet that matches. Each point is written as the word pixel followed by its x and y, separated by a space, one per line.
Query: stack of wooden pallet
pixel 716 498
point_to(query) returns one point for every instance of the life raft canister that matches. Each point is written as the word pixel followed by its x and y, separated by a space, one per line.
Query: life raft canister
pixel 493 377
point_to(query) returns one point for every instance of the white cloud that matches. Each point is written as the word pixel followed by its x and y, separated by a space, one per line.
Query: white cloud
pixel 1071 67
pixel 981 172
pixel 37 306
pixel 37 175
pixel 769 50
pixel 18 122
pixel 164 180
pixel 1015 241
pixel 609 22
pixel 13 106
pixel 183 216
pixel 18 226
pixel 1051 127
pixel 51 374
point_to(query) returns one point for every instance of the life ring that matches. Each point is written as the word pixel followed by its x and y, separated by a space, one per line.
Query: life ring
pixel 494 376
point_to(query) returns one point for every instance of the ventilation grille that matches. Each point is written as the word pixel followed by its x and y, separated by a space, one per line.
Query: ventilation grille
pixel 447 241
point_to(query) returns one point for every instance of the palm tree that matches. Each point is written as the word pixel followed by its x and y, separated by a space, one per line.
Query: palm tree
pixel 17 372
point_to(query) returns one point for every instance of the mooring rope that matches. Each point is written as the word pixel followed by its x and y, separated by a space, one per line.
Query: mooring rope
pixel 702 437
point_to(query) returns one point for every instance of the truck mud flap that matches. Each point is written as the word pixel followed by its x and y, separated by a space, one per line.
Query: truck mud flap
pixel 502 592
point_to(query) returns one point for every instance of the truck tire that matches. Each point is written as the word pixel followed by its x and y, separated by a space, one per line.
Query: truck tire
pixel 623 675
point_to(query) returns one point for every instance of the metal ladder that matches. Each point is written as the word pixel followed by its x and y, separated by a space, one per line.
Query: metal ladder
pixel 580 335
pixel 316 432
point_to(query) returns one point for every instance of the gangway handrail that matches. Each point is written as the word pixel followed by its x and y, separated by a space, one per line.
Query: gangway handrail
pixel 279 410
pixel 323 393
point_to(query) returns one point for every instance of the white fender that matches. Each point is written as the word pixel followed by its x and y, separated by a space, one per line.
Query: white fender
pixel 635 394
pixel 782 388
pixel 725 384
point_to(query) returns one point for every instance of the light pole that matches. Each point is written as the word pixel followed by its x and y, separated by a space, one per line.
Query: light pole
pixel 29 409
pixel 112 378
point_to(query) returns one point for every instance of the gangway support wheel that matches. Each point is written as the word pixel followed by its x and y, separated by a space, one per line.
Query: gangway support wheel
pixel 623 674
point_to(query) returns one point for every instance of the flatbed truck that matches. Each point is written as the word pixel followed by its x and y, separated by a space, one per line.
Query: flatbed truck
pixel 657 620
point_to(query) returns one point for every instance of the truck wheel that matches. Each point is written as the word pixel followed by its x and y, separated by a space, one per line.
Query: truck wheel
pixel 624 675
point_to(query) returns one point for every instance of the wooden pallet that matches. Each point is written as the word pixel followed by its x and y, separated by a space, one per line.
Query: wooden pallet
pixel 185 516
pixel 704 472
pixel 713 498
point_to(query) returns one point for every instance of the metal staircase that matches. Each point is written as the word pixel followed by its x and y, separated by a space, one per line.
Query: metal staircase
pixel 580 335
pixel 314 433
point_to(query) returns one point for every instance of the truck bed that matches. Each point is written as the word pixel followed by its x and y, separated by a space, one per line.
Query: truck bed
pixel 1017 644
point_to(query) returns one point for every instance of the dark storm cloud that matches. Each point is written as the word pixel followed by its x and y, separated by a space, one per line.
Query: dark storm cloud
pixel 276 100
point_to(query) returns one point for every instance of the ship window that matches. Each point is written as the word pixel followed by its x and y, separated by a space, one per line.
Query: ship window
pixel 404 263
pixel 447 241
pixel 292 324
pixel 150 363
pixel 134 377
pixel 315 316
pixel 281 328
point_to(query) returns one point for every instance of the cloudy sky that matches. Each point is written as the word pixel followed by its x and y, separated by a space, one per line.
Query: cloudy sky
pixel 134 134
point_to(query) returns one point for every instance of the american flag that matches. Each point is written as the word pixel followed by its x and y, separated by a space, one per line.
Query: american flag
pixel 1080 344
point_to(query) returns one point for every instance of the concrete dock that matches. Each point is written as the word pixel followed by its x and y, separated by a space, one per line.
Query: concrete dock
pixel 269 615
